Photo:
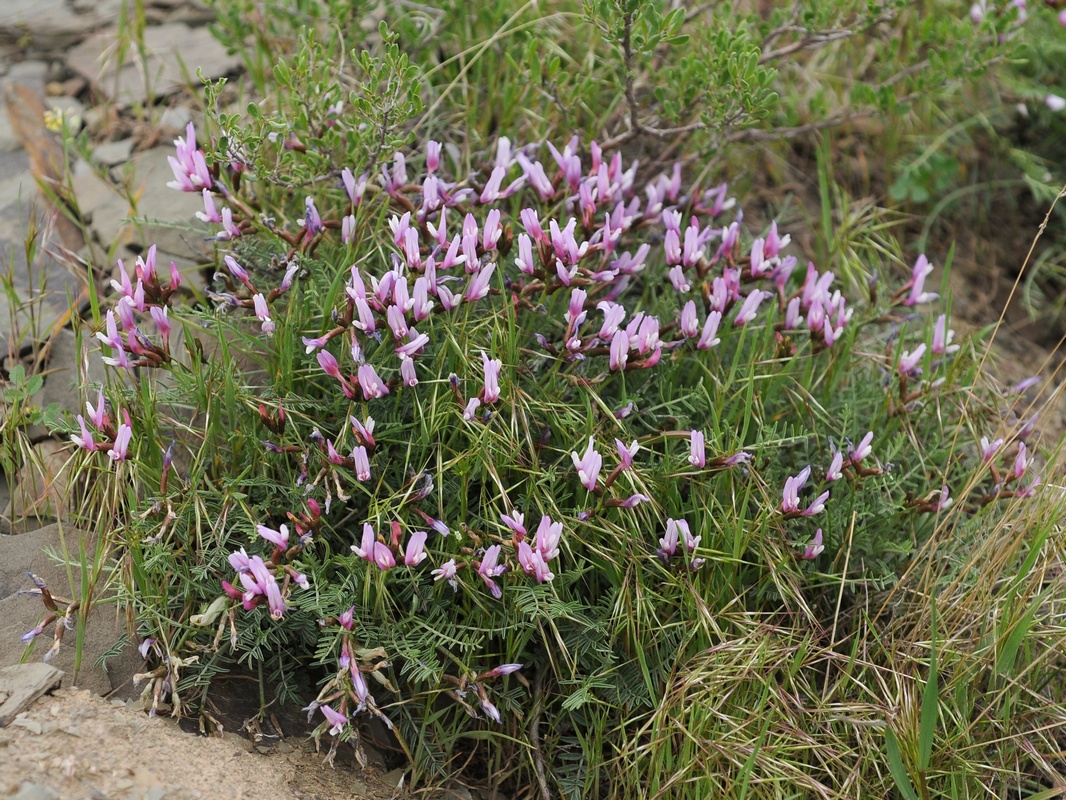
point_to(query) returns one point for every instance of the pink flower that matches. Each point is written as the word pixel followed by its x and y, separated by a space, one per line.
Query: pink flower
pixel 690 323
pixel 407 371
pixel 262 312
pixel 365 549
pixel 908 361
pixel 415 553
pixel 85 441
pixel 709 335
pixel 210 213
pixel 921 270
pixel 619 350
pixel 635 500
pixel 479 283
pixel 588 466
pixel 525 261
pixel 816 507
pixel 329 364
pixel 362 463
pixel 120 449
pixel 489 569
pixel 547 538
pixel 749 308
pixel 447 571
pixel 1054 102
pixel 626 453
pixel 790 494
pixel 864 449
pixel 697 455
pixel 278 538
pixel 336 719
pixel 834 472
pixel 534 563
pixel 383 556
pixel 471 409
pixel 1021 464
pixel 492 368
pixel 364 431
pixel 942 337
pixel 988 449
pixel 815 548
pixel 370 383
pixel 97 416
pixel 516 522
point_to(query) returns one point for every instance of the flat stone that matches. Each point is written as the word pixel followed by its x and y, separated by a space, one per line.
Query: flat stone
pixel 22 684
pixel 174 119
pixel 173 51
pixel 35 791
pixel 111 153
pixel 40 24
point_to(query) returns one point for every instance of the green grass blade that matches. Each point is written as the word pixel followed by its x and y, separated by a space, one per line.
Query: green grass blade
pixel 897 767
pixel 930 703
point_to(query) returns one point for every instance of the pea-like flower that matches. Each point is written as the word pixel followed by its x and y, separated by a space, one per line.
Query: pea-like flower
pixel 588 465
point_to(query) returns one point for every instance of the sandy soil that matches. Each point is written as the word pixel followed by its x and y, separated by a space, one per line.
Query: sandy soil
pixel 79 745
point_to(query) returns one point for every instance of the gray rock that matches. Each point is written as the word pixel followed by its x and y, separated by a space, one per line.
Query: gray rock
pixel 35 791
pixel 21 613
pixel 21 685
pixel 174 52
pixel 174 119
pixel 111 153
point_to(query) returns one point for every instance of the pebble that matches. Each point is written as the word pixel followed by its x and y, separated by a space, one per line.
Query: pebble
pixel 35 791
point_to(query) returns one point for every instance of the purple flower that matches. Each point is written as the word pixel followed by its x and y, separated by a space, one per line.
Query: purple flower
pixel 120 449
pixel 834 472
pixel 162 321
pixel 383 556
pixel 626 453
pixel 370 383
pixel 492 368
pixel 85 441
pixel 790 494
pixel 329 364
pixel 908 361
pixel 516 522
pixel 588 466
pixel 690 323
pixel 817 506
pixel 336 719
pixel 988 449
pixel 815 548
pixel 262 312
pixel 697 453
pixel 362 463
pixel 189 167
pixel 489 569
pixel 942 337
pixel 547 538
pixel 415 553
pixel 479 283
pixel 278 538
pixel 365 549
pixel 98 415
pixel 634 500
pixel 471 409
pixel 709 335
pixel 864 449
